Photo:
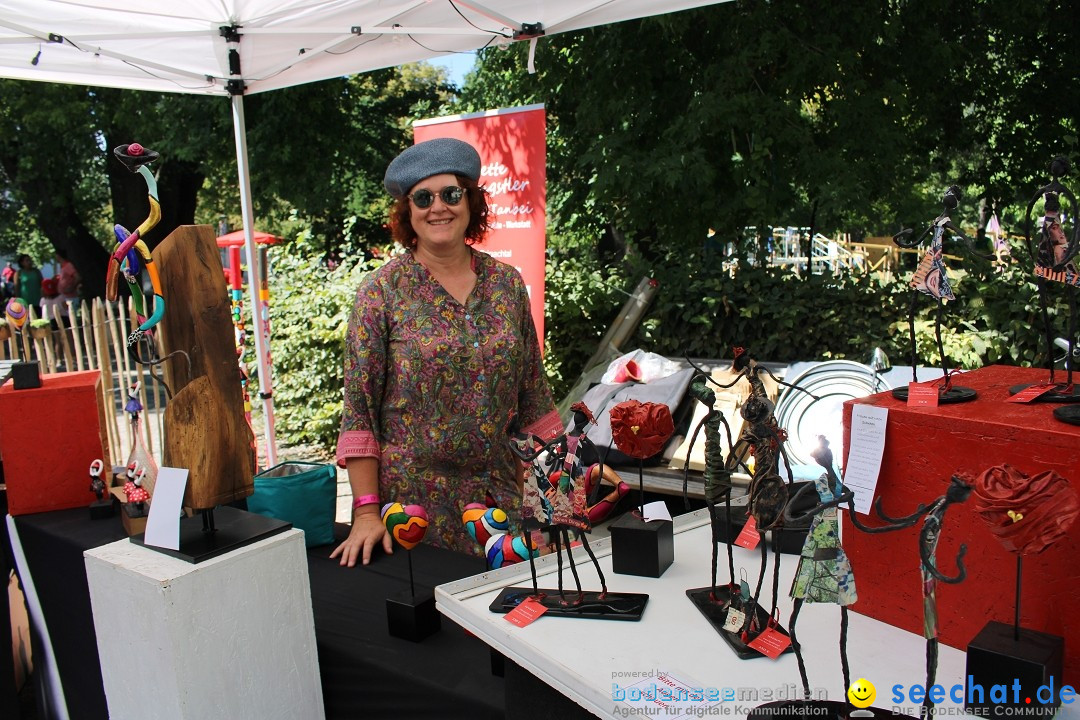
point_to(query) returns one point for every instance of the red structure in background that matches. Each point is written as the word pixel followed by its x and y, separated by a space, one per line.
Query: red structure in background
pixel 233 244
pixel 923 448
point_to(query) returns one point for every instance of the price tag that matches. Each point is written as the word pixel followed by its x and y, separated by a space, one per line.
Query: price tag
pixel 770 643
pixel 1030 393
pixel 749 537
pixel 920 395
pixel 734 621
pixel 528 612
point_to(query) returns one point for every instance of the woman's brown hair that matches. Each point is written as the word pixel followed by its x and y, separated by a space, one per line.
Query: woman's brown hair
pixel 479 222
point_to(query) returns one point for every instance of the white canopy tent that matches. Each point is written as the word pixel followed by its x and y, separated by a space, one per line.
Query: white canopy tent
pixel 233 47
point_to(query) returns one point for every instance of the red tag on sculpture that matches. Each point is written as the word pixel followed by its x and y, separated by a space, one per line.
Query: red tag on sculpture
pixel 770 643
pixel 528 612
pixel 749 537
pixel 1030 393
pixel 920 395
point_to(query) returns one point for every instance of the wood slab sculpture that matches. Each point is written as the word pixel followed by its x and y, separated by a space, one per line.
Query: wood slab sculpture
pixel 205 428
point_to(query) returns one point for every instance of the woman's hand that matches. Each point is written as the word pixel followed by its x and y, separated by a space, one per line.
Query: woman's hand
pixel 367 532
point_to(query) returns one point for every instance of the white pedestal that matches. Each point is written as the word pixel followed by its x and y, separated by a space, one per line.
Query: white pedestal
pixel 230 637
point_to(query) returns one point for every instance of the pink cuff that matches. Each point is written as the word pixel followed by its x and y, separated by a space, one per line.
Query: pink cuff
pixel 356 443
pixel 548 427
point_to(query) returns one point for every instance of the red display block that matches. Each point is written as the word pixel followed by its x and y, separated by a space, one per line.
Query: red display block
pixel 48 438
pixel 924 447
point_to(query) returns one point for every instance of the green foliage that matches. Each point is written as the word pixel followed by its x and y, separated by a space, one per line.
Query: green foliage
pixel 310 314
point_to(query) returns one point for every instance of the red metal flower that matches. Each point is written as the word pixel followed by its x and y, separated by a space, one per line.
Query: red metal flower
pixel 639 429
pixel 1027 514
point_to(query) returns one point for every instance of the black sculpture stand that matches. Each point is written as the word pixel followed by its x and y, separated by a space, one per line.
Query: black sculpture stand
pixel 229 529
pixel 1060 394
pixel 1068 414
pixel 101 509
pixel 413 617
pixel 997 657
pixel 713 604
pixel 817 710
pixel 641 548
pixel 26 375
pixel 955 394
pixel 589 604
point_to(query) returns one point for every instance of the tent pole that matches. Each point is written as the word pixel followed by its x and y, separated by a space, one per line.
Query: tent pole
pixel 262 352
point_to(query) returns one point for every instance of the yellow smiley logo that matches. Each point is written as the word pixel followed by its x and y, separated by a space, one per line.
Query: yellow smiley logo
pixel 862 693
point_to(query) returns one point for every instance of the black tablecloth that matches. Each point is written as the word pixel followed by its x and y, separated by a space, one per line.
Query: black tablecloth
pixel 365 672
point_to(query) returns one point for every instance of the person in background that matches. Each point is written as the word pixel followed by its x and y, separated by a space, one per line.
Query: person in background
pixel 442 361
pixel 50 298
pixel 7 280
pixel 68 280
pixel 28 281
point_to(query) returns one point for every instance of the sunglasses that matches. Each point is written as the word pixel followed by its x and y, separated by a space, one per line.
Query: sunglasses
pixel 450 195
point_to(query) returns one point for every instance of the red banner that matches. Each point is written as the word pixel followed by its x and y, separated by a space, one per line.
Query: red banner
pixel 513 154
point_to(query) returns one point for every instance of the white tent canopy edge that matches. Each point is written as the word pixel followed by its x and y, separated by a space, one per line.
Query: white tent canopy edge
pixel 233 47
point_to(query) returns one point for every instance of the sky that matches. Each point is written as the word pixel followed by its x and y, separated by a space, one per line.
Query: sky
pixel 458 64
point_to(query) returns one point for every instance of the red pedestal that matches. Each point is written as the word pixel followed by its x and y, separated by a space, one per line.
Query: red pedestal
pixel 923 448
pixel 48 438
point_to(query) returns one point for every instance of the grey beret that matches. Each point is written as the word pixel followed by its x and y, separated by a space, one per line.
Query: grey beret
pixel 432 157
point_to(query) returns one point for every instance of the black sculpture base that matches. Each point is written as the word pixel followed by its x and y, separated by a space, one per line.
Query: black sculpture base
pixel 713 604
pixel 101 509
pixel 413 617
pixel 26 375
pixel 235 529
pixel 641 548
pixel 817 710
pixel 589 604
pixel 1062 393
pixel 996 657
pixel 955 394
pixel 1068 414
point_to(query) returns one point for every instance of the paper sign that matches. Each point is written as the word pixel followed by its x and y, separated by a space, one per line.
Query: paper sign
pixel 749 537
pixel 770 643
pixel 920 395
pixel 864 459
pixel 528 612
pixel 163 524
pixel 656 511
pixel 1030 393
pixel 734 621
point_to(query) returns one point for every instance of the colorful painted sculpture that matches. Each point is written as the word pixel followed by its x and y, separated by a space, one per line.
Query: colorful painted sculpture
pixel 505 549
pixel 97 484
pixel 139 454
pixel 407 524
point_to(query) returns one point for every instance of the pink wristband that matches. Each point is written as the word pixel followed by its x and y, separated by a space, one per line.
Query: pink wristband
pixel 365 500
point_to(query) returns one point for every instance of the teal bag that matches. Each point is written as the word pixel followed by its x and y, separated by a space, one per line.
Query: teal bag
pixel 302 493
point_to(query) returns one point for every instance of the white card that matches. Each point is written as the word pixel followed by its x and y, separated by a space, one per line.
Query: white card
pixel 656 510
pixel 864 458
pixel 163 524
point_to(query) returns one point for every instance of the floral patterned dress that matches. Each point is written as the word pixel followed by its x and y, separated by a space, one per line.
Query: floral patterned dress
pixel 434 386
pixel 824 573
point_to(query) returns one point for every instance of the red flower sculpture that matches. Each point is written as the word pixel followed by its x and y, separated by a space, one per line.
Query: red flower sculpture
pixel 641 429
pixel 1027 514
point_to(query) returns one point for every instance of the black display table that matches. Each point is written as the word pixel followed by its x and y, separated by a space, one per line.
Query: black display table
pixel 365 672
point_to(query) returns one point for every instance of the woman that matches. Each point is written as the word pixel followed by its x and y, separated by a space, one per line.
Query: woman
pixel 28 281
pixel 442 361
